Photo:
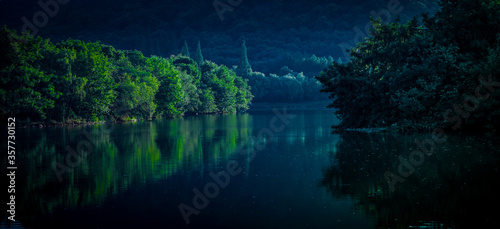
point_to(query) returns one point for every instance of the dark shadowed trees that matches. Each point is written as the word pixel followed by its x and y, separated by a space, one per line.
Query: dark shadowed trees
pixel 417 75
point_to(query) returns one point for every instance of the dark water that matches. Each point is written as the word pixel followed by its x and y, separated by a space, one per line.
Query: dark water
pixel 136 175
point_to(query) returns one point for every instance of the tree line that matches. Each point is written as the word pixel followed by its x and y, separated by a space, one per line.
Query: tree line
pixel 82 81
pixel 429 72
pixel 289 86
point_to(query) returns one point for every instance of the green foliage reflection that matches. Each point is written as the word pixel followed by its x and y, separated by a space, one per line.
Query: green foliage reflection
pixel 132 154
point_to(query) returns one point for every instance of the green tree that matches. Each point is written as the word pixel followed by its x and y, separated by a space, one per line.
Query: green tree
pixel 410 74
pixel 185 49
pixel 188 65
pixel 191 100
pixel 94 91
pixel 221 81
pixel 198 57
pixel 260 85
pixel 243 95
pixel 87 81
pixel 207 101
pixel 145 95
pixel 26 90
pixel 170 91
pixel 244 69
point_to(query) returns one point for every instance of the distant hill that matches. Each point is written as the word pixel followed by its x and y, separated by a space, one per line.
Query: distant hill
pixel 275 30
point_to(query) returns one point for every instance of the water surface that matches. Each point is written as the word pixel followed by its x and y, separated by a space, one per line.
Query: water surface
pixel 137 174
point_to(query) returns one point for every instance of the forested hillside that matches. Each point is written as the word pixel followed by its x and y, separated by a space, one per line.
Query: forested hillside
pixel 287 42
pixel 76 81
pixel 281 36
pixel 278 33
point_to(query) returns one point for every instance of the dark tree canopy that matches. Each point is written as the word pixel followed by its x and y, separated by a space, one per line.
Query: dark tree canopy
pixel 415 74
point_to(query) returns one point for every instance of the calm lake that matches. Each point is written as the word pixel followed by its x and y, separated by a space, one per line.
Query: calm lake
pixel 280 171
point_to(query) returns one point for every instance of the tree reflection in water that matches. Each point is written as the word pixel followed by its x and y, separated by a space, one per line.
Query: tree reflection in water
pixel 456 187
pixel 132 155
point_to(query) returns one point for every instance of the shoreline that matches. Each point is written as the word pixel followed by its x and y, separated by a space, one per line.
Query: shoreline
pixel 74 123
pixel 260 106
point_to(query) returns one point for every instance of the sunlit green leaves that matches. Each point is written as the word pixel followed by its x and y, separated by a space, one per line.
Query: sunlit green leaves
pixel 85 81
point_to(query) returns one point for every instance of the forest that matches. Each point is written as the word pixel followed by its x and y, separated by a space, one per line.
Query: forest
pixel 412 74
pixel 438 71
pixel 287 43
pixel 289 86
pixel 250 113
pixel 274 30
pixel 75 81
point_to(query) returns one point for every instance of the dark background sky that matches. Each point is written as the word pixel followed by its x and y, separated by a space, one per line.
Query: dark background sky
pixel 275 30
